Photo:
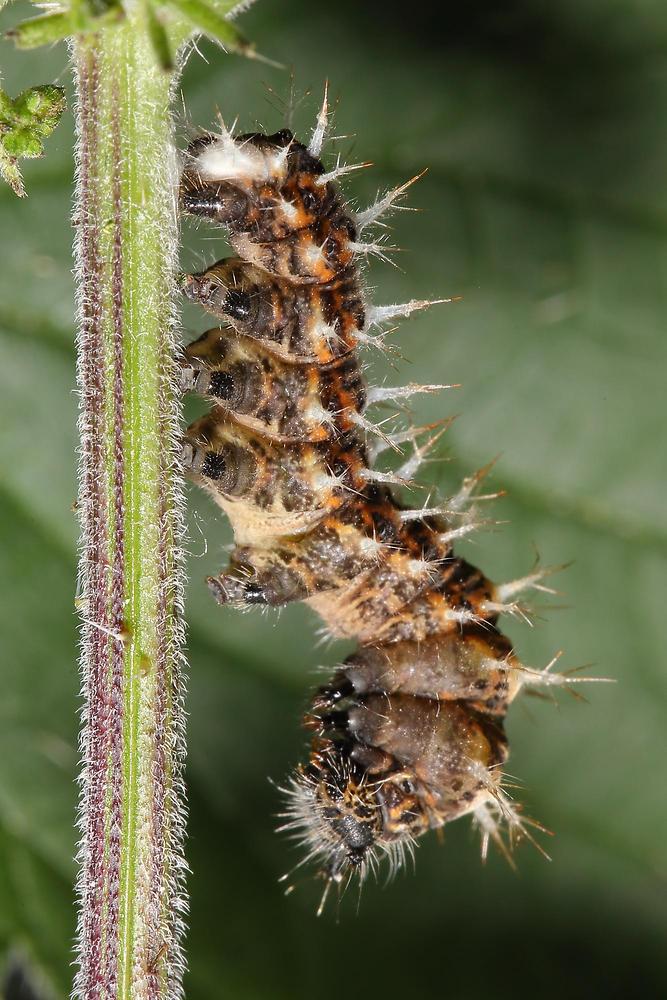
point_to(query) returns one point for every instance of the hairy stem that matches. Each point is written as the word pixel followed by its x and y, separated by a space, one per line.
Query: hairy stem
pixel 131 896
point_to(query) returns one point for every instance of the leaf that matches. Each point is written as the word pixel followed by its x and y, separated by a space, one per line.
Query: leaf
pixel 78 18
pixel 24 122
pixel 545 207
pixel 82 17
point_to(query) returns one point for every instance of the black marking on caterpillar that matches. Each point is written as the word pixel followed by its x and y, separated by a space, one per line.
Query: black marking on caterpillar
pixel 408 734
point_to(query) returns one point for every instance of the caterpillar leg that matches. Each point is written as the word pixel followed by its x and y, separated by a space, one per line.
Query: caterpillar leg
pixel 230 469
pixel 271 588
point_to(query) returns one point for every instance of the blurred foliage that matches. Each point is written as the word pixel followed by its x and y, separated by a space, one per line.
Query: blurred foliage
pixel 545 207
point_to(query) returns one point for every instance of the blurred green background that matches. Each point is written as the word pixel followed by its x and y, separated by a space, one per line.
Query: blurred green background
pixel 544 128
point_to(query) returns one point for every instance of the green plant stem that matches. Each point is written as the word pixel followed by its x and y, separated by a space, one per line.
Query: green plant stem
pixel 131 896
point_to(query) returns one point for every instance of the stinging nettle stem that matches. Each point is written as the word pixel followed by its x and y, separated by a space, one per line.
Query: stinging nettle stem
pixel 132 804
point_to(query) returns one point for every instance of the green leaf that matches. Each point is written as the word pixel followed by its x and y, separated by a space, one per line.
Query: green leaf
pixel 159 39
pixel 206 17
pixel 545 207
pixel 48 28
pixel 81 17
pixel 24 122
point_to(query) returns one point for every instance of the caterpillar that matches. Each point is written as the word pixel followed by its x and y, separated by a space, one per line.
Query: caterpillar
pixel 408 733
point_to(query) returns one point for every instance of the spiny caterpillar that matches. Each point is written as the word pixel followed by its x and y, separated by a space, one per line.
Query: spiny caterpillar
pixel 408 734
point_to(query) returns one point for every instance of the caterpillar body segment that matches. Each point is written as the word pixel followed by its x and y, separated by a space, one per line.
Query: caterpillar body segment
pixel 312 323
pixel 285 402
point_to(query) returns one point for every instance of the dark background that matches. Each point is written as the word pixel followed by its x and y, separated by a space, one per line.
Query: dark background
pixel 543 126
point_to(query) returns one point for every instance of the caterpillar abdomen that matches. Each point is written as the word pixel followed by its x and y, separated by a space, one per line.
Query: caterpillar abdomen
pixel 408 734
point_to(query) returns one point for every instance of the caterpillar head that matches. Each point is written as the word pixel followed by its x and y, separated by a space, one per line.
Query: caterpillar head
pixel 332 812
pixel 346 820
